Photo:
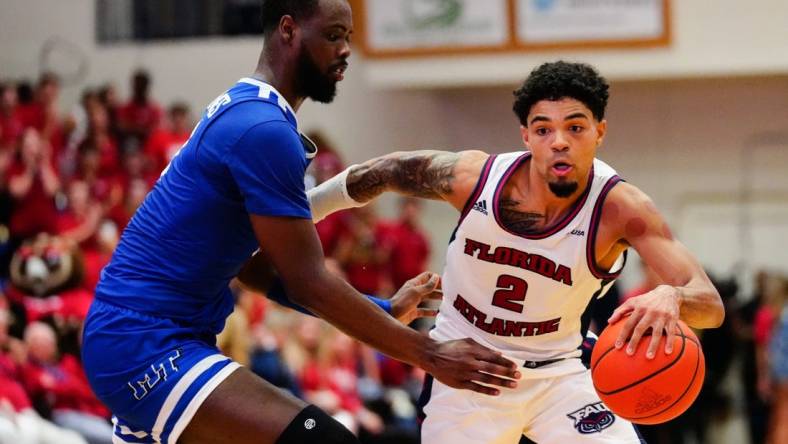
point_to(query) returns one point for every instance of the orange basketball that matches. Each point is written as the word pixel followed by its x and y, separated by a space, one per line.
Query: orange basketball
pixel 648 391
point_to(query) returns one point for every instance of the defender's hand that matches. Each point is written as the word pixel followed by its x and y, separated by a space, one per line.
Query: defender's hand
pixel 405 304
pixel 657 310
pixel 463 363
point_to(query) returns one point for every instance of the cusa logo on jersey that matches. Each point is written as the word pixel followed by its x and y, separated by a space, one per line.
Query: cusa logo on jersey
pixel 592 418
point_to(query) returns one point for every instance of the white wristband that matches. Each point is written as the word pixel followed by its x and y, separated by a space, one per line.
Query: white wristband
pixel 331 196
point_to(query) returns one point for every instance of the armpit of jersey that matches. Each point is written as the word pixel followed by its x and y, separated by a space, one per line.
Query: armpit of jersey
pixel 268 164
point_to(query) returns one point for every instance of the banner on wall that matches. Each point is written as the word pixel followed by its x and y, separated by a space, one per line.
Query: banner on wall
pixel 397 25
pixel 548 22
pixel 404 28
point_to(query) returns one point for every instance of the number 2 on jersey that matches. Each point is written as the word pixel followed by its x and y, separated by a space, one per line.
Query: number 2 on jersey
pixel 511 290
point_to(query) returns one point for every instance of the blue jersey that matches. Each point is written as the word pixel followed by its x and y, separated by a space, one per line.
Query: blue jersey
pixel 192 234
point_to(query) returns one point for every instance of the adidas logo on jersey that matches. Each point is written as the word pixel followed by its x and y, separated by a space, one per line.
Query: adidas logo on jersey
pixel 481 206
pixel 578 233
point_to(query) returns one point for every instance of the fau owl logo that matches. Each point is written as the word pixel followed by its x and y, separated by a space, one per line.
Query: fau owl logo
pixel 592 418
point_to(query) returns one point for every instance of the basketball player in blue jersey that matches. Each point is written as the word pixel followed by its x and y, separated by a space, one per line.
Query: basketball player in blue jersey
pixel 541 235
pixel 237 186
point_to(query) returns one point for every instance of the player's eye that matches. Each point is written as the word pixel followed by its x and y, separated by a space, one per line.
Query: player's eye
pixel 333 37
pixel 576 128
pixel 541 131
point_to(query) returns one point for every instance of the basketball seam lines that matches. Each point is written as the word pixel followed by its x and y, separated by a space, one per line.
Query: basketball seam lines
pixel 689 386
pixel 613 392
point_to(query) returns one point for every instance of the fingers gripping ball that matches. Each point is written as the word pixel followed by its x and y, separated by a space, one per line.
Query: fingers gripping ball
pixel 648 391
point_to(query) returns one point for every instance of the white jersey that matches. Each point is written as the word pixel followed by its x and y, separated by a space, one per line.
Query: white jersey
pixel 527 296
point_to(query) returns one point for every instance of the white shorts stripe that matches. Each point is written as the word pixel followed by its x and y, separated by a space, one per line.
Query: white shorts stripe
pixel 198 399
pixel 178 391
pixel 118 440
pixel 124 430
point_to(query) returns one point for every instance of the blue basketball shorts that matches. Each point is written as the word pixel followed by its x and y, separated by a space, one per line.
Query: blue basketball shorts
pixel 152 373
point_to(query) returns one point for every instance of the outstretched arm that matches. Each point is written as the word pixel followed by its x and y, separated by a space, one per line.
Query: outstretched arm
pixel 294 250
pixel 688 293
pixel 259 276
pixel 426 174
pixel 429 174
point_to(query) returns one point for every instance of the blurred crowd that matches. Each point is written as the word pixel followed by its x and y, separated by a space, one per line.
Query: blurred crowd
pixel 70 180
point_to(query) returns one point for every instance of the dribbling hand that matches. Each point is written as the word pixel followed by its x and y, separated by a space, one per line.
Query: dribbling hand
pixel 657 310
pixel 463 364
pixel 405 304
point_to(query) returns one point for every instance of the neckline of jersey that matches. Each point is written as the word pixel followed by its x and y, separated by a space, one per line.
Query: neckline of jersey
pixel 260 83
pixel 549 231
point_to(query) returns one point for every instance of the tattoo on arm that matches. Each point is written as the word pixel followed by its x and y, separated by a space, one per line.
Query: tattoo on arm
pixel 427 174
pixel 518 221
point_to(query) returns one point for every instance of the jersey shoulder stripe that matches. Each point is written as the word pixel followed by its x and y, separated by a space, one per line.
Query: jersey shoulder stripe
pixel 596 216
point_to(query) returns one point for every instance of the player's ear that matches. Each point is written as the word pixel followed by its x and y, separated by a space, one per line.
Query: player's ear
pixel 524 134
pixel 601 130
pixel 287 28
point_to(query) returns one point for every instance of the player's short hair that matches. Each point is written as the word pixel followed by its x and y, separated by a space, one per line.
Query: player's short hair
pixel 274 10
pixel 557 80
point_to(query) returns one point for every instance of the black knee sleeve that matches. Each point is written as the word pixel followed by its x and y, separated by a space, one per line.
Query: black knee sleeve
pixel 312 425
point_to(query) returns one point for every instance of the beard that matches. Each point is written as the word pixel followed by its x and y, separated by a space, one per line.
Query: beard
pixel 312 82
pixel 563 189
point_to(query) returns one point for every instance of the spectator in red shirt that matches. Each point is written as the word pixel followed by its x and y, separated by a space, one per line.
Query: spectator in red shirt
pixel 99 136
pixel 332 229
pixel 326 165
pixel 136 167
pixel 80 220
pixel 77 126
pixel 140 115
pixel 108 96
pixel 105 188
pixel 43 113
pixel 19 423
pixel 135 180
pixel 409 252
pixel 121 214
pixel 11 124
pixel 7 154
pixel 12 355
pixel 165 141
pixel 12 350
pixel 33 183
pixel 61 382
pixel 362 253
pixel 96 259
pixel 407 242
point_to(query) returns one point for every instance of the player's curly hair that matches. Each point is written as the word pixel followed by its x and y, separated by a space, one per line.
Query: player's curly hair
pixel 274 10
pixel 557 80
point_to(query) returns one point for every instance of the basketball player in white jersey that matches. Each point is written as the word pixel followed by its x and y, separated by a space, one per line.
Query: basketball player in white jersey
pixel 541 235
